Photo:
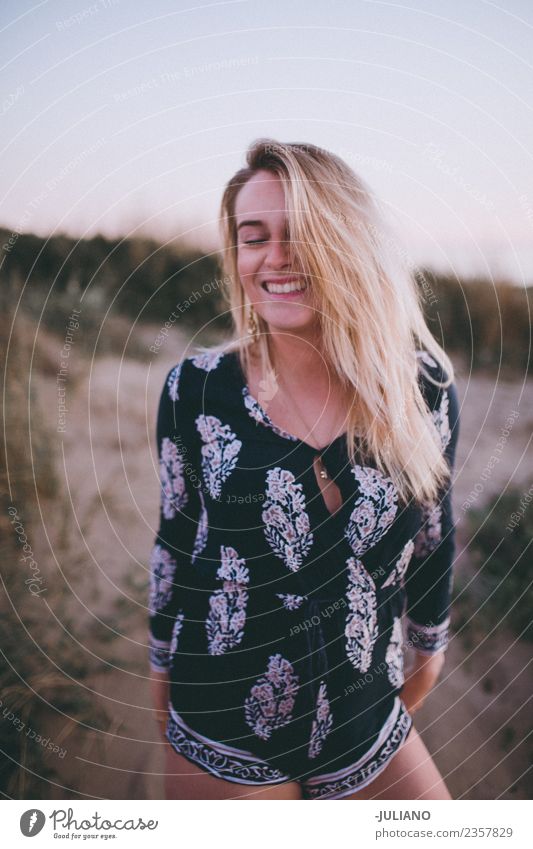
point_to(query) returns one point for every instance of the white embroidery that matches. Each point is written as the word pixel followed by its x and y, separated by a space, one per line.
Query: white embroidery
pixel 374 509
pixel 426 358
pixel 159 656
pixel 207 360
pixel 202 530
pixel 441 420
pixel 174 495
pixel 287 526
pixel 259 415
pixel 399 568
pixel 291 601
pixel 227 606
pixel 430 534
pixel 162 571
pixel 322 723
pixel 173 382
pixel 219 452
pixel 272 698
pixel 394 654
pixel 361 629
pixel 176 630
pixel 428 639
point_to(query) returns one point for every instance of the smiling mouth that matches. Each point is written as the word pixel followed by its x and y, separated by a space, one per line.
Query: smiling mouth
pixel 285 288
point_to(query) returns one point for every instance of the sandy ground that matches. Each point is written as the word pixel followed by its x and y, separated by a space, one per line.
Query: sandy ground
pixel 475 720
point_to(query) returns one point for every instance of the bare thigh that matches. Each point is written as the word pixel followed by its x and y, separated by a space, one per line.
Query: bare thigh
pixel 411 774
pixel 185 780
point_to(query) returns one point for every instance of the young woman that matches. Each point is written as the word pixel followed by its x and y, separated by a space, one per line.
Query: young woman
pixel 306 506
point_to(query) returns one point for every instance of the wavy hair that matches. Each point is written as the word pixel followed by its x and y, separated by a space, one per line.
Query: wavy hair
pixel 369 308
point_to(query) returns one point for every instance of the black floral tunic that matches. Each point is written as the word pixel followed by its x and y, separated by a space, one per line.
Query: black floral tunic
pixel 280 623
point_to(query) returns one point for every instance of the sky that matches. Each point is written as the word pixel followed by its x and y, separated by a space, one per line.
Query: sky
pixel 129 117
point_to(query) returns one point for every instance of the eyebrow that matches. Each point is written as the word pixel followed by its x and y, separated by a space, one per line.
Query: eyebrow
pixel 257 223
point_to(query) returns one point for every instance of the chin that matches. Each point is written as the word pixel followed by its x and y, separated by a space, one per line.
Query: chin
pixel 295 318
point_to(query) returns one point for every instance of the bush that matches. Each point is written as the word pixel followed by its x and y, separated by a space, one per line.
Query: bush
pixel 501 535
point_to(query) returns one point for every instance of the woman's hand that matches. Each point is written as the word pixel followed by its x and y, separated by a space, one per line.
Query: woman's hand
pixel 159 686
pixel 421 680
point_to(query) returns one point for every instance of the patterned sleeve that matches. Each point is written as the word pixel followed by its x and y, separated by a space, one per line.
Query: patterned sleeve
pixel 429 576
pixel 178 523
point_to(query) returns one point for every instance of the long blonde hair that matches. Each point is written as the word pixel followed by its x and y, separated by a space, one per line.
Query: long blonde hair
pixel 369 307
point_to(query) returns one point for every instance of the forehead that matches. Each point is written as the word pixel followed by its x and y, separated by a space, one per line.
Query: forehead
pixel 263 193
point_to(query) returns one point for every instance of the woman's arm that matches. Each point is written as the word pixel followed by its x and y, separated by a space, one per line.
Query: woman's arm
pixel 171 553
pixel 159 688
pixel 421 679
pixel 429 576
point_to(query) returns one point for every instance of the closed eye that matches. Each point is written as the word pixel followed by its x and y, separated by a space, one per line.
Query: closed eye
pixel 255 241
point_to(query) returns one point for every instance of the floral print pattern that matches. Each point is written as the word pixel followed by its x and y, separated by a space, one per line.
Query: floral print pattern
pixel 219 452
pixel 291 601
pixel 441 421
pixel 394 654
pixel 227 606
pixel 322 723
pixel 200 541
pixel 270 703
pixel 273 671
pixel 158 654
pixel 361 629
pixel 430 534
pixel 176 630
pixel 207 360
pixel 260 416
pixel 399 569
pixel 428 639
pixel 374 510
pixel 174 494
pixel 173 382
pixel 287 526
pixel 162 572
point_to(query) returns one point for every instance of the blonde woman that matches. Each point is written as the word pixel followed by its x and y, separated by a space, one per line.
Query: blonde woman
pixel 306 535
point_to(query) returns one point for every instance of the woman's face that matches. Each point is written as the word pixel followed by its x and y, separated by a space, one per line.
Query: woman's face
pixel 263 257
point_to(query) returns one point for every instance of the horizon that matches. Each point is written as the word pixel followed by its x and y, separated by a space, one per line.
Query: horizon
pixel 123 121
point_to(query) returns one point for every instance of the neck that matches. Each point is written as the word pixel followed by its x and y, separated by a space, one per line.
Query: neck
pixel 298 353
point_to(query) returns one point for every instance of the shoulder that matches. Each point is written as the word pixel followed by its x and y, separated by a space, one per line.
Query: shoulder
pixel 433 378
pixel 440 393
pixel 189 374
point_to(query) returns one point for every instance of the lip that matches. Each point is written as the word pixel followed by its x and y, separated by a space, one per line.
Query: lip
pixel 284 296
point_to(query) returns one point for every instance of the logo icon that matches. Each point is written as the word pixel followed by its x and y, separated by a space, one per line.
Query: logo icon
pixel 31 822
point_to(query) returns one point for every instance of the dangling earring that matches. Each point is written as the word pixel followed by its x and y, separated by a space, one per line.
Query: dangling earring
pixel 253 327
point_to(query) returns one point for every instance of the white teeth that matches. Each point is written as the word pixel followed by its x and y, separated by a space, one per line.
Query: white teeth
pixel 284 288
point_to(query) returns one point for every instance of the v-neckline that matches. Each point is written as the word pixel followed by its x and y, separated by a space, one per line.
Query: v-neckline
pixel 265 419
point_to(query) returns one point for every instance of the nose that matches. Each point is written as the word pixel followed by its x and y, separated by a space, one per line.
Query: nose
pixel 278 255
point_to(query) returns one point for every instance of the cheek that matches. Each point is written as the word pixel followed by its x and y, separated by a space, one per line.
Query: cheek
pixel 248 263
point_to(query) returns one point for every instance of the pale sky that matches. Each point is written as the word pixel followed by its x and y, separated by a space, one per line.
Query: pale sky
pixel 122 117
